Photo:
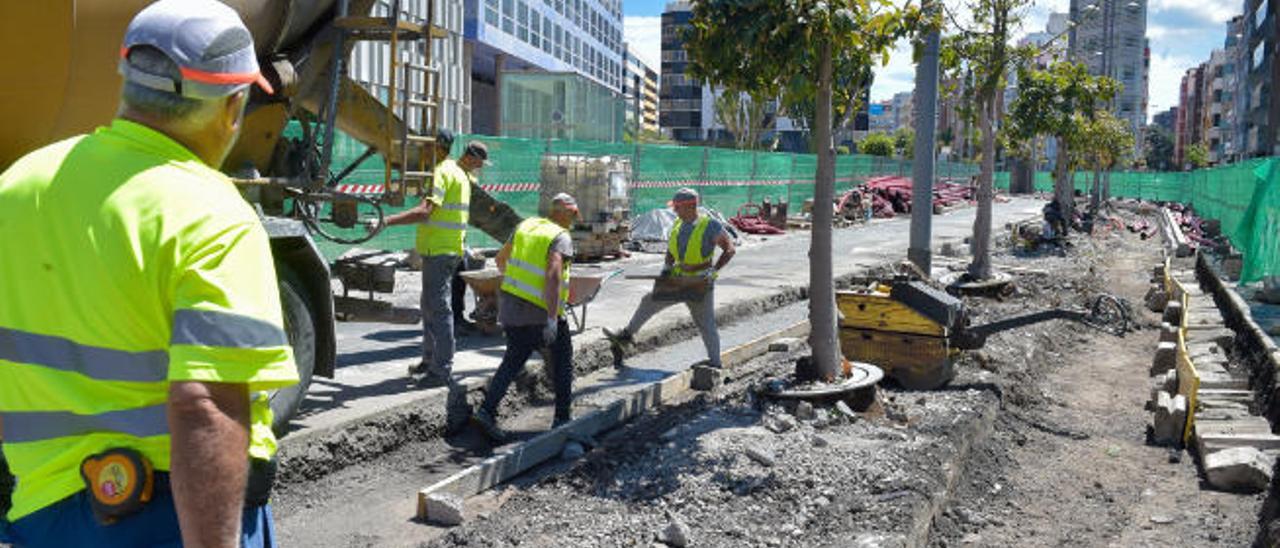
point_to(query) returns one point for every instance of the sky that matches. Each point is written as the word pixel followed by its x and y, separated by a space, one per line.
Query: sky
pixel 1182 33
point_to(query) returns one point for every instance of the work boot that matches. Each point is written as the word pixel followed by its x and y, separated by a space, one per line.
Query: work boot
pixel 619 339
pixel 419 369
pixel 489 427
pixel 433 380
pixel 463 327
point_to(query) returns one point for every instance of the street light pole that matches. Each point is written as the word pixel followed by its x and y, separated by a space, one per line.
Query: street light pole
pixel 922 169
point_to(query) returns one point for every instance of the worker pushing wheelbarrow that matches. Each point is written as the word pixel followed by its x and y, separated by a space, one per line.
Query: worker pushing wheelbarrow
pixel 584 286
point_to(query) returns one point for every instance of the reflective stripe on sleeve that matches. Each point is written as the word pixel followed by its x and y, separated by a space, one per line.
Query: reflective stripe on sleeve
pixel 213 328
pixel 98 363
pixel 457 207
pixel 28 426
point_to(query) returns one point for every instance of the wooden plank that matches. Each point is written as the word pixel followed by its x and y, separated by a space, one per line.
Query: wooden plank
pixel 877 311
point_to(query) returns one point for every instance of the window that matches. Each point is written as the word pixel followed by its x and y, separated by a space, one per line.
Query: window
pixel 491 12
pixel 508 12
pixel 522 18
pixel 1259 54
pixel 535 31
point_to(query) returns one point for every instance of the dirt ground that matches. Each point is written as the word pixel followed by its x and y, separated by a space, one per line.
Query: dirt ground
pixel 1039 441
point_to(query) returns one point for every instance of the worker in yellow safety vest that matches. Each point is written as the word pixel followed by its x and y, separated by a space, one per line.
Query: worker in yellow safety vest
pixel 535 290
pixel 690 246
pixel 141 319
pixel 441 220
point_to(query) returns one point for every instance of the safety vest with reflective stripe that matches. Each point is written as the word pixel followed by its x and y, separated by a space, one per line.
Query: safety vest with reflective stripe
pixel 135 266
pixel 446 230
pixel 525 276
pixel 693 255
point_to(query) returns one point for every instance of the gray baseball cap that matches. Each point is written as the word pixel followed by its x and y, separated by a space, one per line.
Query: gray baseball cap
pixel 565 200
pixel 685 194
pixel 206 40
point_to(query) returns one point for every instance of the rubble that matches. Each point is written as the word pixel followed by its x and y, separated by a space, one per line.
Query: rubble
pixel 1243 469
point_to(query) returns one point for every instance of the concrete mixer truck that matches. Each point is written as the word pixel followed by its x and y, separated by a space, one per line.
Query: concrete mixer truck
pixel 66 53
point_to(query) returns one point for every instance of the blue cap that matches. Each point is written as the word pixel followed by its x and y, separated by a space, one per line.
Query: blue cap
pixel 206 40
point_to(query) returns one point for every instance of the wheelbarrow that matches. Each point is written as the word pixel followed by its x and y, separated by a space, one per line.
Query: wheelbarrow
pixel 914 332
pixel 485 284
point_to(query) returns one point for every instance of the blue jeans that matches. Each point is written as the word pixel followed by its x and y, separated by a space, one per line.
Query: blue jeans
pixel 70 523
pixel 521 342
pixel 437 313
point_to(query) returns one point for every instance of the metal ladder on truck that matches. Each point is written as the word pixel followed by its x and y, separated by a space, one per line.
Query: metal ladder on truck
pixel 412 135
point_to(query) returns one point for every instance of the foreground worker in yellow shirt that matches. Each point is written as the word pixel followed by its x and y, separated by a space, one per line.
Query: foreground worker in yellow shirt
pixel 141 318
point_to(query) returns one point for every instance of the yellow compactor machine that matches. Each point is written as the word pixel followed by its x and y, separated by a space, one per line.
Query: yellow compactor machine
pixel 915 332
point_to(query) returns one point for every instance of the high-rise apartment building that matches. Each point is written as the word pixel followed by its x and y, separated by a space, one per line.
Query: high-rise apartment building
pixel 640 91
pixel 583 37
pixel 1216 122
pixel 686 106
pixel 1110 38
pixel 1260 75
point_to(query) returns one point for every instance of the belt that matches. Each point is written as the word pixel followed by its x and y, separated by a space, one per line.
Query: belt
pixel 699 266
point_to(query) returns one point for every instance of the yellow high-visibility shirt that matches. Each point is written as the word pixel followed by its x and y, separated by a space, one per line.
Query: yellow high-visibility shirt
pixel 127 264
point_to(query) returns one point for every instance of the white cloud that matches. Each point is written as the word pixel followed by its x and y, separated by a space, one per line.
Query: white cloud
pixel 1166 78
pixel 896 77
pixel 644 36
pixel 1217 11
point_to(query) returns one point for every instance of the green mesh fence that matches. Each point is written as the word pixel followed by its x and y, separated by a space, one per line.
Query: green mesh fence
pixel 1245 197
pixel 726 178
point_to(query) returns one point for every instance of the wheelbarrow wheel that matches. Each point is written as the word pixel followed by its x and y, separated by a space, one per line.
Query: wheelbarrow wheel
pixel 1110 314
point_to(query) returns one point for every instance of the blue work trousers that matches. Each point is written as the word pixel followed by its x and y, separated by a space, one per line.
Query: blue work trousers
pixel 437 313
pixel 521 342
pixel 70 523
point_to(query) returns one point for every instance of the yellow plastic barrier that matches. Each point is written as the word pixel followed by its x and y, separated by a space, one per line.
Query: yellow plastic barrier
pixel 1188 385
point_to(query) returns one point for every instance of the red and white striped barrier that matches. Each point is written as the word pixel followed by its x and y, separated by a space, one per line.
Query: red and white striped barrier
pixel 533 187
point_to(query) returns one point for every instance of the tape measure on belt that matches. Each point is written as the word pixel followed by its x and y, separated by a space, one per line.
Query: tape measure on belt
pixel 120 482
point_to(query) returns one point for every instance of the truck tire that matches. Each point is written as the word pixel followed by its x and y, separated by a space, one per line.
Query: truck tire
pixel 301 331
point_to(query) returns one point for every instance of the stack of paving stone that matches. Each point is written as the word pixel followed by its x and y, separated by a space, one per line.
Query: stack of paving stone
pixel 1236 446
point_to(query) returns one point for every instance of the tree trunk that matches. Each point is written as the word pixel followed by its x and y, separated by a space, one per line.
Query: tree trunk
pixel 1062 187
pixel 1095 197
pixel 822 299
pixel 980 268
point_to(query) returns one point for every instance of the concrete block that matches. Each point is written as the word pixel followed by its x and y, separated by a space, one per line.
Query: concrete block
pixel 1170 419
pixel 1205 348
pixel 1222 380
pixel 1166 382
pixel 444 509
pixel 1173 312
pixel 785 344
pixel 1166 358
pixel 1198 319
pixel 1215 334
pixel 1168 332
pixel 1207 396
pixel 1239 469
pixel 1156 299
pixel 706 378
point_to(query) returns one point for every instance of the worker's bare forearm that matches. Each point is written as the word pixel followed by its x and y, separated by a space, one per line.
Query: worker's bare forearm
pixel 727 251
pixel 209 432
pixel 551 285
pixel 504 255
pixel 724 259
pixel 420 213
